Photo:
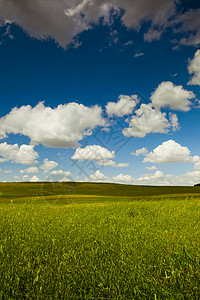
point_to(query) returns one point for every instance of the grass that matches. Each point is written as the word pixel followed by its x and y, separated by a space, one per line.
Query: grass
pixel 79 246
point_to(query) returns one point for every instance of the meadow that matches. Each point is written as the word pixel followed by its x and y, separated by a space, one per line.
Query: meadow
pixel 99 241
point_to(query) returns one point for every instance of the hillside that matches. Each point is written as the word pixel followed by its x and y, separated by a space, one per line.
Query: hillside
pixel 20 190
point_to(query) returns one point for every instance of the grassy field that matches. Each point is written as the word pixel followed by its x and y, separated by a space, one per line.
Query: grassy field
pixel 99 241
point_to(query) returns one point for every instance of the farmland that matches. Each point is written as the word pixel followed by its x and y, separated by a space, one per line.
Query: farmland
pixel 99 241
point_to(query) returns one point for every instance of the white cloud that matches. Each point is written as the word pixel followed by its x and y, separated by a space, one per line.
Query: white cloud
pixel 151 177
pixel 147 120
pixel 186 179
pixel 194 68
pixel 77 9
pixel 175 97
pixel 121 165
pixel 196 160
pixel 151 168
pixel 123 178
pixel 61 173
pixel 101 155
pixel 124 106
pixel 174 121
pixel 30 170
pixel 169 152
pixel 34 179
pixel 189 178
pixel 60 127
pixel 7 171
pixel 24 154
pixel 93 152
pixel 142 151
pixel 97 176
pixel 106 163
pixel 48 165
pixel 112 164
pixel 138 54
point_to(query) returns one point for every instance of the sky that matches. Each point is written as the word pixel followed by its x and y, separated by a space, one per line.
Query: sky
pixel 100 91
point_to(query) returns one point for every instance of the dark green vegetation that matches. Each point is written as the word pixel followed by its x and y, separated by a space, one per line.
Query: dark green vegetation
pixel 10 191
pixel 99 241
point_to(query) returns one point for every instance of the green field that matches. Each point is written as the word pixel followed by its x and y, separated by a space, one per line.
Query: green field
pixel 99 241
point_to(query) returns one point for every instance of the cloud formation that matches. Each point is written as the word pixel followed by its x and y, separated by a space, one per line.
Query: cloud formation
pixel 61 173
pixel 151 177
pixel 97 176
pixel 174 97
pixel 48 165
pixel 194 69
pixel 124 106
pixel 147 120
pixel 24 154
pixel 61 127
pixel 188 24
pixel 121 178
pixel 93 152
pixel 169 152
pixel 30 170
pixel 141 151
pixel 63 20
pixel 34 179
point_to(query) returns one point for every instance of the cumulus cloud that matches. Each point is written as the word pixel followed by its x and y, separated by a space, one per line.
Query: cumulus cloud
pixel 141 151
pixel 169 95
pixel 124 106
pixel 97 176
pixel 101 155
pixel 93 152
pixel 121 178
pixel 151 177
pixel 196 160
pixel 194 69
pixel 34 179
pixel 30 170
pixel 24 154
pixel 60 127
pixel 147 120
pixel 61 173
pixel 48 165
pixel 169 152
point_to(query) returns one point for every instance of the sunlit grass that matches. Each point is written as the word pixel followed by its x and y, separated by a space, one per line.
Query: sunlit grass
pixel 108 249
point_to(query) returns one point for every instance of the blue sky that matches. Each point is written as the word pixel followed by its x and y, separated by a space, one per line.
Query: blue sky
pixel 100 91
